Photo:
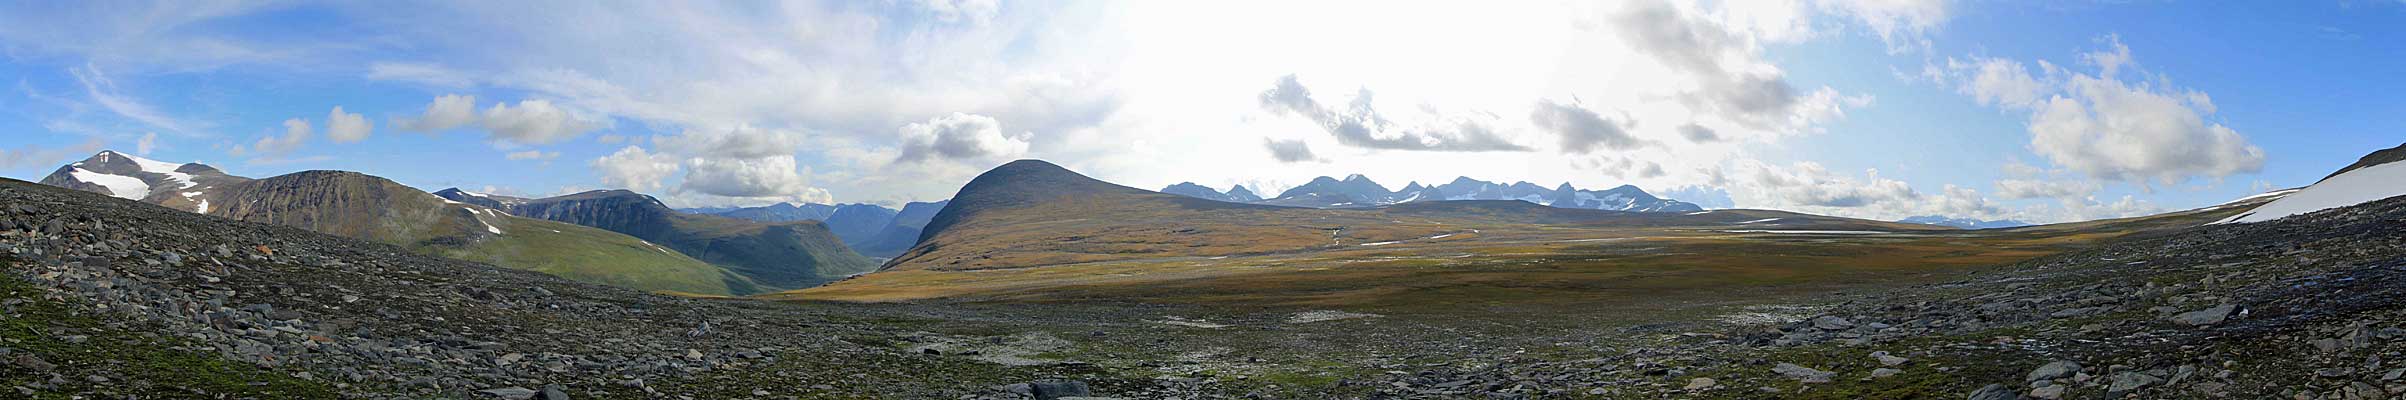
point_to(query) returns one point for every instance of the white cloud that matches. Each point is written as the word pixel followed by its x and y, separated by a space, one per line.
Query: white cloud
pixel 635 169
pixel 1583 130
pixel 2004 82
pixel 1360 124
pixel 1809 187
pixel 446 112
pixel 963 11
pixel 959 137
pixel 346 128
pixel 775 178
pixel 427 74
pixel 296 132
pixel 2109 126
pixel 146 143
pixel 1290 151
pixel 535 122
pixel 2046 189
pixel 105 92
pixel 1903 24
pixel 740 141
pixel 533 155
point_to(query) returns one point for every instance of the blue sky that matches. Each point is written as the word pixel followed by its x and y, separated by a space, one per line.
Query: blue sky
pixel 1866 109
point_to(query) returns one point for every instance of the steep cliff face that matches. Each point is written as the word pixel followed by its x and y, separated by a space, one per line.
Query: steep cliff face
pixel 778 255
pixel 619 211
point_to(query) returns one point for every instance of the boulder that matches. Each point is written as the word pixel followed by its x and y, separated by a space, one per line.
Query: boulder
pixel 2054 370
pixel 2208 316
pixel 1052 390
pixel 1803 374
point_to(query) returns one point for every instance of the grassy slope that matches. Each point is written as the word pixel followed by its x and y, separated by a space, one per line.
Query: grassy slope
pixel 593 255
pixel 738 243
pixel 149 366
pixel 372 208
pixel 1116 245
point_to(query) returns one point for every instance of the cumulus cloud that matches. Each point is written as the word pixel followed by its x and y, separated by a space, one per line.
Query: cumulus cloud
pixel 740 141
pixel 1698 133
pixel 1620 166
pixel 445 113
pixel 635 168
pixel 1903 24
pixel 769 177
pixel 529 122
pixel 2109 125
pixel 1730 78
pixel 1290 151
pixel 1810 187
pixel 345 128
pixel 1359 124
pixel 534 122
pixel 296 132
pixel 2046 189
pixel 1582 130
pixel 959 137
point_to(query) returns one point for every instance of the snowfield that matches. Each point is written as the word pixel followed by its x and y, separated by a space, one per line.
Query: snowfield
pixel 2360 186
pixel 121 186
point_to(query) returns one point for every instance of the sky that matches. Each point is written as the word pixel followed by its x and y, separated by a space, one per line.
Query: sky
pixel 2035 111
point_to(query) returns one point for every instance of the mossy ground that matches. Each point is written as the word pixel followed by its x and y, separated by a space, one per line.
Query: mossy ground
pixel 136 362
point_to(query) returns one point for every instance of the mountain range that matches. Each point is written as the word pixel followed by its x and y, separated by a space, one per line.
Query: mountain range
pixel 1965 223
pixel 1357 191
pixel 778 255
pixel 487 228
pixel 869 229
pixel 370 208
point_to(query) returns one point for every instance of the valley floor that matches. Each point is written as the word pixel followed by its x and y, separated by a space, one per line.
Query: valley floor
pixel 2304 308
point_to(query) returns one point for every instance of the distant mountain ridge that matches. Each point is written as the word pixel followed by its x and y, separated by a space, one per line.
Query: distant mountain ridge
pixel 868 229
pixel 371 208
pixel 1965 223
pixel 1356 191
pixel 776 255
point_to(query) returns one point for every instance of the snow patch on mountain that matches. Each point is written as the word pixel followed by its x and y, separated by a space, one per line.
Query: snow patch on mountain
pixel 121 186
pixel 2358 186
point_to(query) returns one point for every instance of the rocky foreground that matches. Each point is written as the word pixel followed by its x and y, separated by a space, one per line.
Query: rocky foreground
pixel 2309 307
pixel 107 298
pixel 275 312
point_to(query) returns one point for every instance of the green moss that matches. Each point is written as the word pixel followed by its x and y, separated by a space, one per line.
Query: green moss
pixel 150 366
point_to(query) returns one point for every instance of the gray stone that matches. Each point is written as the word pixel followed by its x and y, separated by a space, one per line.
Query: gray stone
pixel 511 393
pixel 552 392
pixel 2131 380
pixel 1885 372
pixel 1052 390
pixel 1701 384
pixel 1888 360
pixel 2208 316
pixel 1832 323
pixel 2054 370
pixel 1993 392
pixel 1802 373
pixel 2048 392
